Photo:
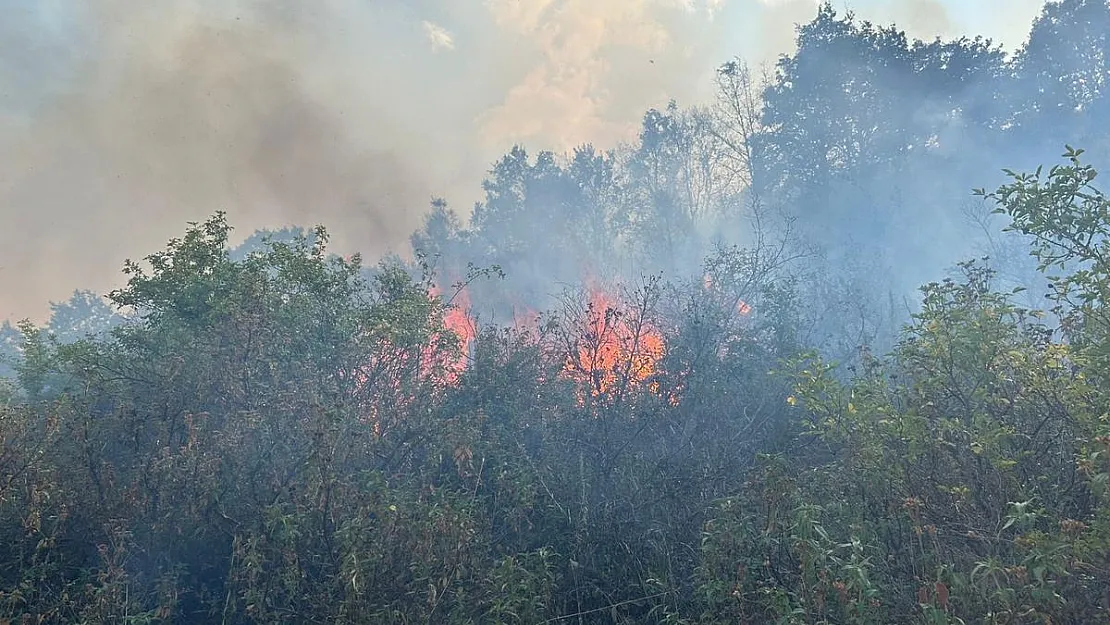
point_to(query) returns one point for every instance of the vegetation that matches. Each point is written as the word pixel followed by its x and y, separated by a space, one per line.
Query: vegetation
pixel 272 433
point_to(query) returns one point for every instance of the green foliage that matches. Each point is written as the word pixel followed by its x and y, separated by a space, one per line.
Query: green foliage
pixel 283 437
pixel 276 434
pixel 1068 219
pixel 963 478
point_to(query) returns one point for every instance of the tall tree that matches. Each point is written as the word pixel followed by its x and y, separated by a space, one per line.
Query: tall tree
pixel 1062 79
pixel 681 182
pixel 866 138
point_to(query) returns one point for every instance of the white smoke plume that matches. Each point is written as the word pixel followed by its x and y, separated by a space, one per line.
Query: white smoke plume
pixel 120 120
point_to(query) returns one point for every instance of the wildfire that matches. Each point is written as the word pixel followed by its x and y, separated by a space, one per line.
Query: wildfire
pixel 525 319
pixel 614 348
pixel 609 351
pixel 456 318
pixel 392 367
pixel 742 307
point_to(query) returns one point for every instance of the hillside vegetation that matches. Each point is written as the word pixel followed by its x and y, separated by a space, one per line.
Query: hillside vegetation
pixel 758 429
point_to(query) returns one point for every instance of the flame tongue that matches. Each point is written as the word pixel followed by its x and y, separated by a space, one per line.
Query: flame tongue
pixel 616 350
pixel 456 318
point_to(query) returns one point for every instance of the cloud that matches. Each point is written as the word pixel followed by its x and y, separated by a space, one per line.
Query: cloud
pixel 438 36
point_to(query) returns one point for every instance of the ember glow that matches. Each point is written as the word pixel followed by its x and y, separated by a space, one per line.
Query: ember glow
pixel 616 350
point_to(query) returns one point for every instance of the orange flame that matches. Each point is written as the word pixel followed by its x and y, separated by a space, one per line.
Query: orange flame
pixel 396 375
pixel 525 319
pixel 456 318
pixel 614 349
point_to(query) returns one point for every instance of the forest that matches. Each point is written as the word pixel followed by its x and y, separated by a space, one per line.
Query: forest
pixel 831 349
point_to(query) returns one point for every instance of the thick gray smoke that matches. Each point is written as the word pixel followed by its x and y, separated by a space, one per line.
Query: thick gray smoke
pixel 120 119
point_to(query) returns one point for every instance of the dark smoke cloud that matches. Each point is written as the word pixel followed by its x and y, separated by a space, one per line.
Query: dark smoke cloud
pixel 120 119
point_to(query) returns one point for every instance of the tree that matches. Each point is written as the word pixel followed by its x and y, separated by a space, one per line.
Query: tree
pixel 1061 91
pixel 10 346
pixel 680 188
pixel 84 314
pixel 1068 219
pixel 441 239
pixel 964 477
pixel 867 140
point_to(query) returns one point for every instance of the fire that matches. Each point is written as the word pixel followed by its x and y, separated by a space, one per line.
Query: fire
pixel 396 375
pixel 742 307
pixel 614 349
pixel 456 318
pixel 525 319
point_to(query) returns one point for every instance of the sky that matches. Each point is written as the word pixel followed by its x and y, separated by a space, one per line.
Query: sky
pixel 121 120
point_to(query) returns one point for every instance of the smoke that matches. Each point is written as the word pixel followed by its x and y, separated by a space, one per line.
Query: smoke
pixel 120 120
pixel 165 112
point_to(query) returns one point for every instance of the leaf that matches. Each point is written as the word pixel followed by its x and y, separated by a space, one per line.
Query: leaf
pixel 1038 573
pixel 821 532
pixel 942 594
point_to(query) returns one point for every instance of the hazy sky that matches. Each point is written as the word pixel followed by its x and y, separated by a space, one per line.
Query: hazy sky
pixel 120 120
